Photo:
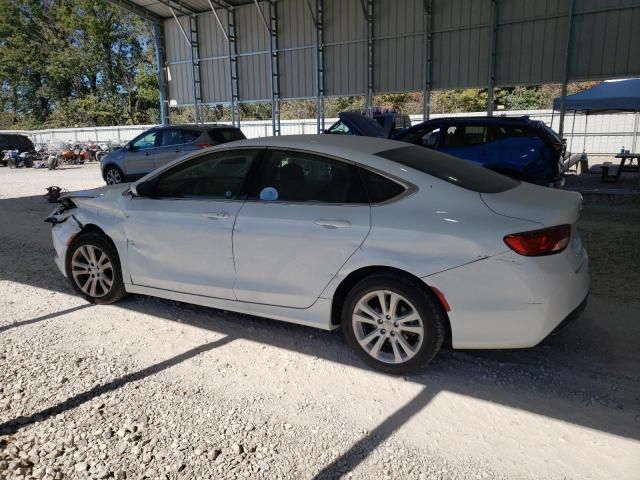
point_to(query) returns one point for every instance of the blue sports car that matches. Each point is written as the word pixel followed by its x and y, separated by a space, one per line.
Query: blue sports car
pixel 521 148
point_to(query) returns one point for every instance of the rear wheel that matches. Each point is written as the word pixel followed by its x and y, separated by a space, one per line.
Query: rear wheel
pixel 393 323
pixel 94 270
pixel 113 175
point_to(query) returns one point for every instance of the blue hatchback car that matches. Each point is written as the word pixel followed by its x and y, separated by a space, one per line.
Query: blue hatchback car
pixel 521 148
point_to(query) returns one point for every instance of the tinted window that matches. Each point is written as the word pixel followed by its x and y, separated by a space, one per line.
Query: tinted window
pixel 217 175
pixel 339 128
pixel 379 189
pixel 146 140
pixel 426 136
pixel 224 135
pixel 454 170
pixel 497 132
pixel 191 135
pixel 171 137
pixel 301 177
pixel 455 136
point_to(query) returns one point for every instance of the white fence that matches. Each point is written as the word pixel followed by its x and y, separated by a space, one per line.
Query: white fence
pixel 597 134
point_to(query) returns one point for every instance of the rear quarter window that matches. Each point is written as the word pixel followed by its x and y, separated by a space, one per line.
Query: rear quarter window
pixel 462 173
pixel 224 135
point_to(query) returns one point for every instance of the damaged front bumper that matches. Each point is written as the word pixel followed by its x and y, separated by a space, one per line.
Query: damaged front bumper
pixel 65 226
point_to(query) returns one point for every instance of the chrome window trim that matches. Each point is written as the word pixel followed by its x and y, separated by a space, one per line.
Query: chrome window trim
pixel 409 188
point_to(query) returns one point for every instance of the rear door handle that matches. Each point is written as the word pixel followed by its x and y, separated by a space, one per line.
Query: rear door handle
pixel 216 215
pixel 328 223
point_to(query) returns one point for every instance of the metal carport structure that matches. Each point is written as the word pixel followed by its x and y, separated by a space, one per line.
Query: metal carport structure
pixel 233 51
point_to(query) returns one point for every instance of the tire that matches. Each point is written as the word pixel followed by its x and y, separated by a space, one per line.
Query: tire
pixel 113 175
pixel 412 300
pixel 107 286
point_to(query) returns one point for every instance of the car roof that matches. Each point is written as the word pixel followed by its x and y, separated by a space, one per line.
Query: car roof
pixel 478 119
pixel 205 127
pixel 336 145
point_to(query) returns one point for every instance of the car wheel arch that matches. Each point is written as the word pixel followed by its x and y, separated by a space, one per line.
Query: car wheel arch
pixel 112 165
pixel 347 283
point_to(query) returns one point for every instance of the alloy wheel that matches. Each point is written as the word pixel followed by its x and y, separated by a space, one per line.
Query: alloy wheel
pixel 387 326
pixel 92 271
pixel 113 176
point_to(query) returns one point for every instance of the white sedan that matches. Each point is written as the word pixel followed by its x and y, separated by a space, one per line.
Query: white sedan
pixel 405 248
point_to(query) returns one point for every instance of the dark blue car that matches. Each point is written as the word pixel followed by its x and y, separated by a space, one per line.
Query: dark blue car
pixel 521 148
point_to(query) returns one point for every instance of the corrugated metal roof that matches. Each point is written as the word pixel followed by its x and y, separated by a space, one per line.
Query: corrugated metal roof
pixel 530 43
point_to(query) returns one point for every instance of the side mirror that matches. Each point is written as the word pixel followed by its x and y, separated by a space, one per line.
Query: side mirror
pixel 144 189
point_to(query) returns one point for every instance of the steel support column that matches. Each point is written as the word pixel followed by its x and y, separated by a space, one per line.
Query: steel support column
pixel 233 67
pixel 319 23
pixel 275 71
pixel 492 56
pixel 158 39
pixel 428 27
pixel 368 13
pixel 567 66
pixel 195 68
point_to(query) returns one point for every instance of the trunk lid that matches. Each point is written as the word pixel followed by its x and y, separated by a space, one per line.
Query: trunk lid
pixel 545 206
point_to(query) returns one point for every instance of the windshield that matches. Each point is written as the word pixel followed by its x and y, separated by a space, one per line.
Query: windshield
pixel 463 173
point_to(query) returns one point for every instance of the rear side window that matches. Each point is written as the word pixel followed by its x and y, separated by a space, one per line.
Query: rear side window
pixel 291 176
pixel 454 170
pixel 379 189
pixel 191 135
pixel 464 136
pixel 224 135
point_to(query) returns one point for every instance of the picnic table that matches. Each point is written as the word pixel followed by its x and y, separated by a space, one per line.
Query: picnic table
pixel 624 157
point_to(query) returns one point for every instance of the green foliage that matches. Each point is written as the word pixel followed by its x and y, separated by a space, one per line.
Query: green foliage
pixel 74 62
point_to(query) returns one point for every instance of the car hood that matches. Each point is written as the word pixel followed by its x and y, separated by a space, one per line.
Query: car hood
pixel 363 126
pixel 108 191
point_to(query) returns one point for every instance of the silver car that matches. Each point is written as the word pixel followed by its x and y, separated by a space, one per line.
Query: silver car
pixel 160 145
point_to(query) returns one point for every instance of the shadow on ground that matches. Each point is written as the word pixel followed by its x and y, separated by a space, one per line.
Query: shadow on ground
pixel 559 379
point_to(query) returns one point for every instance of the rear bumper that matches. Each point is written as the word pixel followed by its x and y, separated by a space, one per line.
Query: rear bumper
pixel 510 301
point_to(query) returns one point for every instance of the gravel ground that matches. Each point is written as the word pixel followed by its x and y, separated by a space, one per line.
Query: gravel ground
pixel 149 388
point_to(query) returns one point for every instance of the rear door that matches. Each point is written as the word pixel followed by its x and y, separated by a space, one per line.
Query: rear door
pixel 469 141
pixel 306 215
pixel 170 146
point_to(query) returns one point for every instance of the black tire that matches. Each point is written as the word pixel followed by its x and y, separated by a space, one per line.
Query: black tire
pixel 423 302
pixel 99 241
pixel 113 175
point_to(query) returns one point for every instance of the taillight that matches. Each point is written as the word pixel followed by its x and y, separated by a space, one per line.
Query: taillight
pixel 204 145
pixel 535 243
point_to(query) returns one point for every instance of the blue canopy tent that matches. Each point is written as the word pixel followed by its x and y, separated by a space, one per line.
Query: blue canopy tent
pixel 618 96
pixel 610 96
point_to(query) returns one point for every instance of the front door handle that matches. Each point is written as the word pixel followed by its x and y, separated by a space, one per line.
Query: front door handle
pixel 328 223
pixel 216 215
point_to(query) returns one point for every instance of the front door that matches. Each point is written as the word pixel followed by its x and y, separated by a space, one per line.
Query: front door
pixel 139 156
pixel 180 237
pixel 306 216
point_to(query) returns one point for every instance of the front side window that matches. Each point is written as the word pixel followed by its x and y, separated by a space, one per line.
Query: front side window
pixel 218 175
pixel 300 177
pixel 171 137
pixel 426 136
pixel 147 140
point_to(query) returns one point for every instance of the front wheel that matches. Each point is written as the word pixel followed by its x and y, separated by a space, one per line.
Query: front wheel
pixel 393 323
pixel 93 267
pixel 113 175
